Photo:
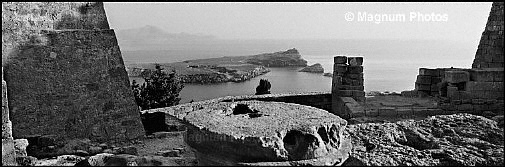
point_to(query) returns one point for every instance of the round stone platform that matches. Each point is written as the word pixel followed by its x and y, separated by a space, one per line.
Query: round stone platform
pixel 230 133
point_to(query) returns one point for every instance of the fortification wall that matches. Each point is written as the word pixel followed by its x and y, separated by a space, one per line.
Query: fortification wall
pixel 65 73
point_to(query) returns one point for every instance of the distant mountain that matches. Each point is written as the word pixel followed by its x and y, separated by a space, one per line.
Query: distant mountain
pixel 154 38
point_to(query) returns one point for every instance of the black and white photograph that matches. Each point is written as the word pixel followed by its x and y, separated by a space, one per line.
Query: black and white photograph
pixel 253 83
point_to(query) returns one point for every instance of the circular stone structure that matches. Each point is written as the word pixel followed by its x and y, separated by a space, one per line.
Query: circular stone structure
pixel 231 133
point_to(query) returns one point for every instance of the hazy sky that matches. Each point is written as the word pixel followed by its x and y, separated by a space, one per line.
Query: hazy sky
pixel 456 21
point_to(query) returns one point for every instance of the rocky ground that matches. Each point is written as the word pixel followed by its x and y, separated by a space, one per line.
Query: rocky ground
pixel 452 140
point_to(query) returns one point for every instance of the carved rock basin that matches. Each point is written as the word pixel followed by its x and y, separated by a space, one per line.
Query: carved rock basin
pixel 230 133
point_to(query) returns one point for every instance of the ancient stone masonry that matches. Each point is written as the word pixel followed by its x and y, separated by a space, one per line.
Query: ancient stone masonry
pixel 478 90
pixel 347 82
pixel 490 51
pixel 65 73
pixel 8 154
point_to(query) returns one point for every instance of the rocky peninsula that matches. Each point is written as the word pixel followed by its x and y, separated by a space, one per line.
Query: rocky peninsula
pixel 315 68
pixel 224 69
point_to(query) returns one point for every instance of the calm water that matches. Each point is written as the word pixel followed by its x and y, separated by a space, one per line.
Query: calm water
pixel 388 65
pixel 385 75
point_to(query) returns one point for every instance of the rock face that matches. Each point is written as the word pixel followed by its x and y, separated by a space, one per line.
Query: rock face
pixel 287 58
pixel 316 68
pixel 229 133
pixel 460 139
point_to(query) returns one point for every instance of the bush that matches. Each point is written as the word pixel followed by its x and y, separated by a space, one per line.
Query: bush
pixel 263 87
pixel 159 90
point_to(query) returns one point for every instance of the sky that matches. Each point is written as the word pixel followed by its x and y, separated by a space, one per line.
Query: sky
pixel 446 21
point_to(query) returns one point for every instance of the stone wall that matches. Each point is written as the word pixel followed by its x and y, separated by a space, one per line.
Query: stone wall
pixel 476 90
pixel 490 51
pixel 8 152
pixel 348 81
pixel 65 73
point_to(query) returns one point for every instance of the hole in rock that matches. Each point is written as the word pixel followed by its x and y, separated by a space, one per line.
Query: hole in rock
pixel 299 145
pixel 154 122
pixel 324 135
pixel 243 109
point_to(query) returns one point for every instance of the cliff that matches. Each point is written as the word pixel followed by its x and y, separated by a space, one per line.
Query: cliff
pixel 315 68
pixel 287 58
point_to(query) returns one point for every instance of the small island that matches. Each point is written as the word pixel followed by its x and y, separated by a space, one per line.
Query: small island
pixel 224 69
pixel 315 68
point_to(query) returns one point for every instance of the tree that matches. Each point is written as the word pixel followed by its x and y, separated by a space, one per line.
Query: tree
pixel 159 90
pixel 263 87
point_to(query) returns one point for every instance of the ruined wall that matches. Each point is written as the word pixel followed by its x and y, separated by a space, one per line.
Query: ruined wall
pixel 490 51
pixel 348 81
pixel 65 73
pixel 8 152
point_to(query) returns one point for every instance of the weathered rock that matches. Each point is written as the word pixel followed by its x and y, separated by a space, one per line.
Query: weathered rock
pixel 262 132
pixel 130 150
pixel 62 160
pixel 26 160
pixel 315 68
pixel 20 147
pixel 95 150
pixel 499 119
pixel 460 139
pixel 169 153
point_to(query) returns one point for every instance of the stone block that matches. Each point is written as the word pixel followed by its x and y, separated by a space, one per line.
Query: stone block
pixel 340 59
pixel 484 75
pixel 434 88
pixel 355 61
pixel 465 107
pixel 355 76
pixel 8 153
pixel 466 101
pixel 480 107
pixel 428 72
pixel 494 94
pixel 355 69
pixel 6 129
pixel 357 93
pixel 477 101
pixel 457 76
pixel 423 87
pixel 20 147
pixel 372 113
pixel 474 85
pixel 387 111
pixel 346 93
pixel 436 80
pixel 339 69
pixel 349 87
pixel 423 79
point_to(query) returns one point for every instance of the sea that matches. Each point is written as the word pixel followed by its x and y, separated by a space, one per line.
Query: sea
pixel 389 67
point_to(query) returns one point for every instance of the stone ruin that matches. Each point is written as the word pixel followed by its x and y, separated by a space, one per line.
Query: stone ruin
pixel 67 80
pixel 347 86
pixel 66 76
pixel 479 90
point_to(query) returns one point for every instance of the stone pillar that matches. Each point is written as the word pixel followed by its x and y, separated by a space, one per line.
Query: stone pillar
pixel 347 81
pixel 8 152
